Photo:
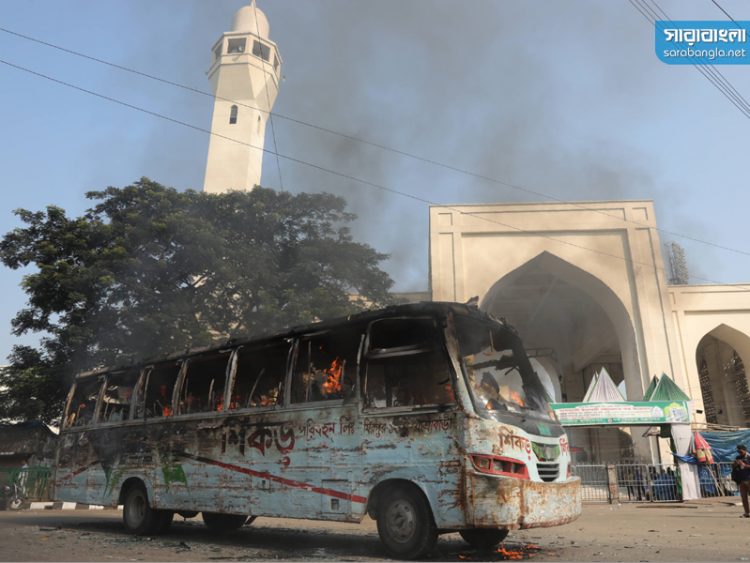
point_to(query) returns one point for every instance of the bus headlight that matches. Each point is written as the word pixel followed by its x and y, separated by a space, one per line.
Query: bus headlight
pixel 497 465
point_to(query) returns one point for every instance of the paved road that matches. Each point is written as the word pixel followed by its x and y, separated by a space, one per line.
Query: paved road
pixel 685 532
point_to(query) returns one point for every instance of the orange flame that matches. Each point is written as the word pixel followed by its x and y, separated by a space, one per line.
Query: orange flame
pixel 335 371
pixel 511 554
pixel 505 553
pixel 517 399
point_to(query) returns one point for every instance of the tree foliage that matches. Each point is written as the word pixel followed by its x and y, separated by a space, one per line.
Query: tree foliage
pixel 148 271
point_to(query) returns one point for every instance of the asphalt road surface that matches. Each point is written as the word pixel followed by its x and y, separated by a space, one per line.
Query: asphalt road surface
pixel 711 531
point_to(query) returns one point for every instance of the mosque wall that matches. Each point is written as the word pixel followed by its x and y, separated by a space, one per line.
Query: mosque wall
pixel 612 251
pixel 721 311
pixel 472 247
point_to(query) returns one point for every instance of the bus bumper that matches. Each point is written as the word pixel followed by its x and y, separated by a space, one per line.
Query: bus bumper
pixel 517 503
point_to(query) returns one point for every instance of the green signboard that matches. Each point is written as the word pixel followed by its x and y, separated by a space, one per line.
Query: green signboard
pixel 648 413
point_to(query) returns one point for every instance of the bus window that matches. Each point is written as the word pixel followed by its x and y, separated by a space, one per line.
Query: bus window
pixel 82 407
pixel 326 366
pixel 406 365
pixel 118 392
pixel 204 384
pixel 158 383
pixel 261 371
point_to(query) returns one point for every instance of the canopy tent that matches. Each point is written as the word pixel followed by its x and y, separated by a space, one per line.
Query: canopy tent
pixel 665 390
pixel 602 389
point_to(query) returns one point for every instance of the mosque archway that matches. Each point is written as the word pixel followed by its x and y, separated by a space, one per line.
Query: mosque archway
pixel 574 325
pixel 721 357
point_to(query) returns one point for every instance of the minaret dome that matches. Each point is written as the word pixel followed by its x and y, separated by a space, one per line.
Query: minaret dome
pixel 251 18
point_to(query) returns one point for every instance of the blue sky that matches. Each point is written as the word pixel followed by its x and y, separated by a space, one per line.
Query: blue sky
pixel 566 98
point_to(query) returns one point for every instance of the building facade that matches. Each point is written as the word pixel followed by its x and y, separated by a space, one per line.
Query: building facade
pixel 585 284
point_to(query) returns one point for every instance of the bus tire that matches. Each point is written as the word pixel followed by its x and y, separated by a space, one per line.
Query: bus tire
pixel 137 515
pixel 483 538
pixel 405 523
pixel 218 522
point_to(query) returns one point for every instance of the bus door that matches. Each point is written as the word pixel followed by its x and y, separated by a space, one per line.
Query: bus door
pixel 260 441
pixel 323 400
pixel 147 447
pixel 410 420
pixel 200 405
pixel 79 458
pixel 114 408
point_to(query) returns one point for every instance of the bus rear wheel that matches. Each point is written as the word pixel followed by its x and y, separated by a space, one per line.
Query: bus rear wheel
pixel 483 538
pixel 219 522
pixel 138 516
pixel 405 523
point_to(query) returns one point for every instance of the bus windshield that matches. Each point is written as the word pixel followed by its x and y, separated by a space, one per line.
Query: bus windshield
pixel 499 375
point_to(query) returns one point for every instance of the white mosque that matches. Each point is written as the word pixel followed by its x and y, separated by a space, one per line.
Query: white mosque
pixel 584 282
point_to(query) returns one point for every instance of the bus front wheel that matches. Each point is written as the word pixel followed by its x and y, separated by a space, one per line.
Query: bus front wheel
pixel 219 522
pixel 138 516
pixel 483 538
pixel 405 523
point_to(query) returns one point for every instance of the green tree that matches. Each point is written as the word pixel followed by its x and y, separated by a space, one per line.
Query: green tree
pixel 149 271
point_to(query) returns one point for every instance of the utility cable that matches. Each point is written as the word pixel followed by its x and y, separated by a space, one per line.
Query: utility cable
pixel 353 178
pixel 725 12
pixel 406 154
pixel 268 98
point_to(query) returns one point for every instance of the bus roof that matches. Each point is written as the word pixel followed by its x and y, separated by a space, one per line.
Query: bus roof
pixel 431 308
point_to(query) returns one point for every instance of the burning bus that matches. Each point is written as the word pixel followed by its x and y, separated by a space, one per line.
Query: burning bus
pixel 427 417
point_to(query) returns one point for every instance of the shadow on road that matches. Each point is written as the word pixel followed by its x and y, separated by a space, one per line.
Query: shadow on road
pixel 265 542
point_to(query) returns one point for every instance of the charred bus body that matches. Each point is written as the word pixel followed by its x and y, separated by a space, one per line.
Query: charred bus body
pixel 428 417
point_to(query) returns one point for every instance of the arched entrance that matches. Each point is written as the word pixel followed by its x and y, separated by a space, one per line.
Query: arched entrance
pixel 721 357
pixel 575 325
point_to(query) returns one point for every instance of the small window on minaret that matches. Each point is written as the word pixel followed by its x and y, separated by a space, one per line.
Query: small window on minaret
pixel 259 125
pixel 236 45
pixel 261 50
pixel 233 115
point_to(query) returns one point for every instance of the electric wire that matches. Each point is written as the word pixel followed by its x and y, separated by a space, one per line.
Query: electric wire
pixel 725 12
pixel 406 154
pixel 268 101
pixel 356 179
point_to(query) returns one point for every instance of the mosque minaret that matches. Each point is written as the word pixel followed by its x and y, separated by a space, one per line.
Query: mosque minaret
pixel 245 73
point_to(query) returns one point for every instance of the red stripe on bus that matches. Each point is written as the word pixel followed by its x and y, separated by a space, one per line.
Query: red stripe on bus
pixel 78 471
pixel 276 478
